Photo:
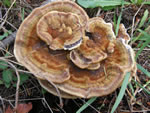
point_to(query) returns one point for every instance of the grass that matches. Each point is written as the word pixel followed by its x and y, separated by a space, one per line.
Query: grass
pixel 143 70
pixel 119 18
pixel 121 93
pixel 141 86
pixel 90 101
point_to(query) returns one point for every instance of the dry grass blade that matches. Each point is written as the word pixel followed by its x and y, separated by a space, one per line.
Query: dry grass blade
pixel 132 30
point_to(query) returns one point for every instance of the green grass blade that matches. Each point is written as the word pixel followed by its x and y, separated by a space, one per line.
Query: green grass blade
pixel 148 3
pixel 144 32
pixel 22 14
pixel 139 2
pixel 143 70
pixel 145 85
pixel 121 93
pixel 146 43
pixel 115 20
pixel 144 89
pixel 100 3
pixel 107 8
pixel 143 18
pixel 133 1
pixel 142 47
pixel 132 89
pixel 90 101
pixel 119 19
pixel 140 44
pixel 144 35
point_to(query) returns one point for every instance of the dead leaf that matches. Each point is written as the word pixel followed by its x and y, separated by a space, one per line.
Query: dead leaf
pixel 22 108
pixel 9 110
pixel 148 103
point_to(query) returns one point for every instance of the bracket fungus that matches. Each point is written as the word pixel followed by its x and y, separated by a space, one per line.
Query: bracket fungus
pixel 33 53
pixel 117 60
pixel 60 30
pixel 59 44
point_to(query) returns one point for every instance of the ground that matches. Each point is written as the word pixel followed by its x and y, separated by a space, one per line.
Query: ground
pixel 43 102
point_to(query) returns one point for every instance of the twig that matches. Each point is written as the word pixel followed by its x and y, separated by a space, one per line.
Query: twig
pixel 2 103
pixel 146 49
pixel 98 12
pixel 5 51
pixel 22 99
pixel 147 83
pixel 58 92
pixel 7 41
pixel 0 12
pixel 60 108
pixel 126 96
pixel 21 92
pixel 132 30
pixel 135 111
pixel 18 83
pixel 6 14
pixel 47 105
pixel 9 24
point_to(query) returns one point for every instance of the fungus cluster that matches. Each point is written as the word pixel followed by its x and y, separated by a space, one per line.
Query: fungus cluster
pixel 61 45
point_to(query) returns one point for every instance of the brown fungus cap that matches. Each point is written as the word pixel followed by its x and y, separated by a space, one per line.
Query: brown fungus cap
pixel 66 6
pixel 123 55
pixel 34 54
pixel 60 30
pixel 110 73
pixel 124 38
pixel 88 55
pixel 122 33
pixel 98 26
pixel 91 83
pixel 95 46
pixel 102 81
pixel 51 89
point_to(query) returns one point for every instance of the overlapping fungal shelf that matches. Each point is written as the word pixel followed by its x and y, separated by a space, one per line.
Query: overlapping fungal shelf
pixel 59 44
